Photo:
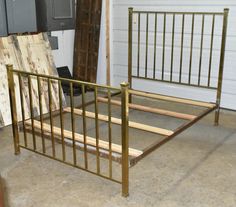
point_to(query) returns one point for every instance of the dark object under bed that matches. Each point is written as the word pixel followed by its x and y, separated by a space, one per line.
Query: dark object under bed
pixel 64 72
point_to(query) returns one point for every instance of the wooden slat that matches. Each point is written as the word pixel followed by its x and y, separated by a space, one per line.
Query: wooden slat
pixel 152 110
pixel 90 141
pixel 173 99
pixel 135 125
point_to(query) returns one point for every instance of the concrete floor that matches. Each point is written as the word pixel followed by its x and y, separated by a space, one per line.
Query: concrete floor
pixel 197 168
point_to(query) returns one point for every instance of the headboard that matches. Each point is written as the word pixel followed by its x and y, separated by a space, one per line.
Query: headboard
pixel 186 48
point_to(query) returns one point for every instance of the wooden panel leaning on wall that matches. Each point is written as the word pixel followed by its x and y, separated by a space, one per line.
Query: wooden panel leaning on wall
pixel 31 53
pixel 87 35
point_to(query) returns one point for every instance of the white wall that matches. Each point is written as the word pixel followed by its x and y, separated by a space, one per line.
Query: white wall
pixel 119 20
pixel 120 47
pixel 64 55
pixel 101 74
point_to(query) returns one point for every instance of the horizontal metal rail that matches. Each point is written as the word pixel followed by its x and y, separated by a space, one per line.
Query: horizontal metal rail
pixel 66 80
pixel 177 83
pixel 70 164
pixel 166 139
pixel 178 12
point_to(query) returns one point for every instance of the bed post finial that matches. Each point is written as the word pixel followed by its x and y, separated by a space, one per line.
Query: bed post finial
pixel 12 96
pixel 221 67
pixel 226 10
pixel 125 137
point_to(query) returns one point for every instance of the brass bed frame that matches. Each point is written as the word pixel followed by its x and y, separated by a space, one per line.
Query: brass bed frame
pixel 51 136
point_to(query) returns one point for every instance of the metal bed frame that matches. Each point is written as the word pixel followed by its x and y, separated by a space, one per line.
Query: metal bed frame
pixel 126 156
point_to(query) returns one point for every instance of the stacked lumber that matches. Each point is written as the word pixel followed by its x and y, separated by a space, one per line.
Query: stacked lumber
pixel 31 53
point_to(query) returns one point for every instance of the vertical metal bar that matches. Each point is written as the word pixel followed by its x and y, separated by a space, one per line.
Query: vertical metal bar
pixel 97 129
pixel 155 47
pixel 31 111
pixel 125 138
pixel 62 122
pixel 172 48
pixel 41 113
pixel 84 127
pixel 130 46
pixel 163 50
pixel 109 132
pixel 138 60
pixel 221 67
pixel 22 109
pixel 181 50
pixel 51 117
pixel 73 122
pixel 146 56
pixel 108 59
pixel 191 51
pixel 200 60
pixel 13 109
pixel 211 49
pixel 130 51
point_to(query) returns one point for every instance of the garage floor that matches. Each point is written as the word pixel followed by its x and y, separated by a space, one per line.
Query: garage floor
pixel 197 168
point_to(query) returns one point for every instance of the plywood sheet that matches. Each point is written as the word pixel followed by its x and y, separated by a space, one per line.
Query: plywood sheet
pixel 30 53
pixel 7 56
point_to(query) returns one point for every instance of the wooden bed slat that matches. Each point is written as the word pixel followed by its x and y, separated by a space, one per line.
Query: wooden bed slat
pixel 135 125
pixel 80 138
pixel 173 99
pixel 153 110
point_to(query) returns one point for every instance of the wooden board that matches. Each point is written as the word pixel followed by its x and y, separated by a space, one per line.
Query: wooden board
pixel 30 53
pixel 152 110
pixel 87 35
pixel 173 99
pixel 132 124
pixel 7 55
pixel 80 138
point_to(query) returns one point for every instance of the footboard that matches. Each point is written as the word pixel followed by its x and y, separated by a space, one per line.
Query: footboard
pixel 68 139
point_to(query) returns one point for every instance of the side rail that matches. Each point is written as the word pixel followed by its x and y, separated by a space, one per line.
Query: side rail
pixel 64 132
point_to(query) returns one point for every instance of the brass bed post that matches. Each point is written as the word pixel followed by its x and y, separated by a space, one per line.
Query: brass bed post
pixel 222 58
pixel 13 108
pixel 125 137
pixel 130 40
